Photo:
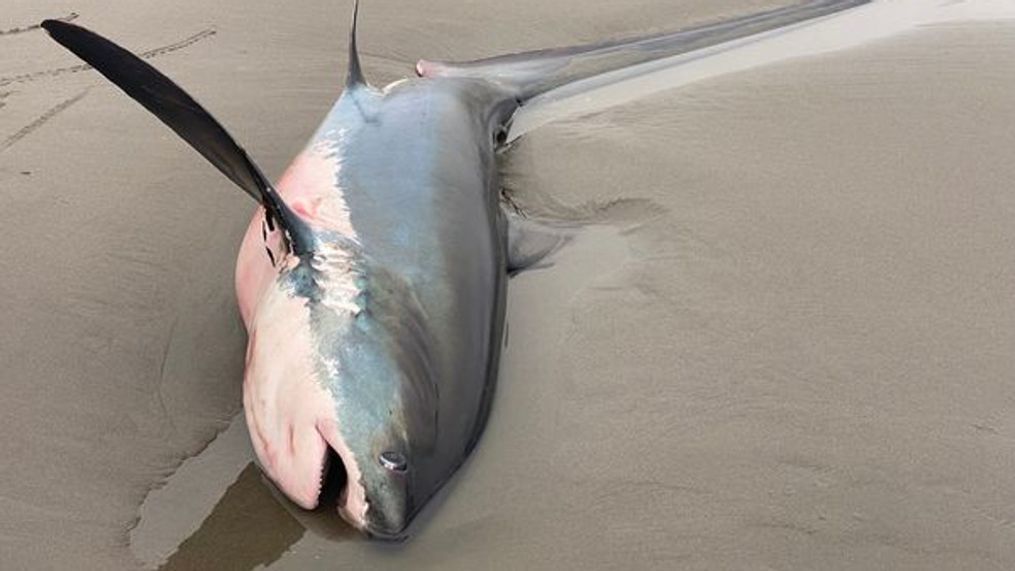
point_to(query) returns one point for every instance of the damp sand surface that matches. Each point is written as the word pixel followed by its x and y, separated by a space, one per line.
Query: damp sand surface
pixel 790 349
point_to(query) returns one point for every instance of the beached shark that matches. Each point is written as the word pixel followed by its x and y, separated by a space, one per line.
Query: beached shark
pixel 372 278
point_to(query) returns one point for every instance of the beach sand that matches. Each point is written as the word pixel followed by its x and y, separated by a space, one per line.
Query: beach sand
pixel 791 348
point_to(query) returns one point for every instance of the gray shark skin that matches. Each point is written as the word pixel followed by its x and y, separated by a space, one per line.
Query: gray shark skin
pixel 430 301
pixel 372 278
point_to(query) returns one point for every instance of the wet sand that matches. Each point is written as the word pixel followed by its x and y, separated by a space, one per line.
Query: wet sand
pixel 791 349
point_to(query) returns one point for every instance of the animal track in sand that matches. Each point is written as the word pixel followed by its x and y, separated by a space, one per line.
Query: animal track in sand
pixel 22 29
pixel 152 53
pixel 40 121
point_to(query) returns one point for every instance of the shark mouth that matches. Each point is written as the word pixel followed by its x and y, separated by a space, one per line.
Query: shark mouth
pixel 340 479
pixel 333 480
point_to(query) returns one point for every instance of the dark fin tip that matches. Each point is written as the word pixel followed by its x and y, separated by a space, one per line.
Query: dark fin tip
pixel 186 117
pixel 355 72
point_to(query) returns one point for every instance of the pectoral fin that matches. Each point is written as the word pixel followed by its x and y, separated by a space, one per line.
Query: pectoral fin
pixel 185 116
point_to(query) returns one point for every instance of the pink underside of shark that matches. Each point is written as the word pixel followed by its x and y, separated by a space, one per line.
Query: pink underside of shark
pixel 308 188
pixel 290 413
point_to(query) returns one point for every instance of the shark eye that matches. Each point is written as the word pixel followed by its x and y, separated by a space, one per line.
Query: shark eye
pixel 393 461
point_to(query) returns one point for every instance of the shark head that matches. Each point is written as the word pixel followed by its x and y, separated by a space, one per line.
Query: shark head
pixel 338 393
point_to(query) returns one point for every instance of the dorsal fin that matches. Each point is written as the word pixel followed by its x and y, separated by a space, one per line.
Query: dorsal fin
pixel 354 75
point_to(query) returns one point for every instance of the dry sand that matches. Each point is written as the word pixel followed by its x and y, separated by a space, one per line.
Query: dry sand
pixel 801 360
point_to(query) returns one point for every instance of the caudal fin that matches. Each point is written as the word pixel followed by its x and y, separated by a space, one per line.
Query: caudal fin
pixel 535 72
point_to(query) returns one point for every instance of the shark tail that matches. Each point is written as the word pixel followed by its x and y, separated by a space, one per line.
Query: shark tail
pixel 533 73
